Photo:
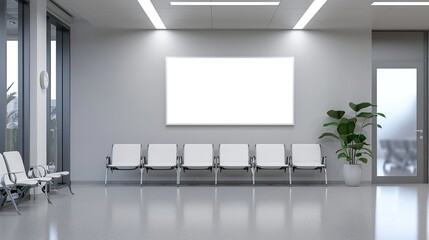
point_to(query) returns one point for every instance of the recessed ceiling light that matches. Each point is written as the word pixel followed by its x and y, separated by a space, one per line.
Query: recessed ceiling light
pixel 152 14
pixel 225 3
pixel 400 4
pixel 309 14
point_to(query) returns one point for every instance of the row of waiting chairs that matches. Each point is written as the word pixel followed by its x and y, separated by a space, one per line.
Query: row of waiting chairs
pixel 201 157
pixel 13 177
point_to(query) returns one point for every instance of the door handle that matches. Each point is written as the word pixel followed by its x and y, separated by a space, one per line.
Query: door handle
pixel 419 131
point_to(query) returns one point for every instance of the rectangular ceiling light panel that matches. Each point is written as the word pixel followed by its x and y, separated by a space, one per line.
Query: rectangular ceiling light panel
pixel 225 3
pixel 309 14
pixel 400 4
pixel 152 13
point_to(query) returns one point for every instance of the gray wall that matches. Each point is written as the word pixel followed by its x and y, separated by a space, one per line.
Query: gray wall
pixel 117 92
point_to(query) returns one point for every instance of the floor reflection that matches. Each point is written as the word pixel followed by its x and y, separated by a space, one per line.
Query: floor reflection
pixel 396 213
pixel 233 212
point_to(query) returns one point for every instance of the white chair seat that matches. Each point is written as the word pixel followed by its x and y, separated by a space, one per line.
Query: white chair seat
pixel 122 166
pixel 29 182
pixel 234 166
pixel 63 173
pixel 123 157
pixel 159 166
pixel 270 166
pixel 197 166
pixel 308 165
pixel 53 175
pixel 234 157
pixel 15 164
pixel 309 157
pixel 42 179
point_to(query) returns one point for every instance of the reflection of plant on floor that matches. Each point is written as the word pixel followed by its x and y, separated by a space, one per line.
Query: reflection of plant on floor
pixel 11 121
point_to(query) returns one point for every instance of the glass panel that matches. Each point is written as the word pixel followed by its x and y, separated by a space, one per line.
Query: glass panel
pixel 397 98
pixel 52 133
pixel 12 70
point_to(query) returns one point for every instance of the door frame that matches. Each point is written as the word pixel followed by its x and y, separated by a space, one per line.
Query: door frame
pixel 422 168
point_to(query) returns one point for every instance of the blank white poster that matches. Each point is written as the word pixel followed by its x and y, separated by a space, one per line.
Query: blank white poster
pixel 229 91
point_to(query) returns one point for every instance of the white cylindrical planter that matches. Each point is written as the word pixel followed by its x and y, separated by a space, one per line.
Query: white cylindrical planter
pixel 352 174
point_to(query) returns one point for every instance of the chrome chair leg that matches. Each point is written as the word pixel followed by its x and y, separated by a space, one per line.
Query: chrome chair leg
pixel 105 177
pixel 12 200
pixel 46 193
pixel 70 187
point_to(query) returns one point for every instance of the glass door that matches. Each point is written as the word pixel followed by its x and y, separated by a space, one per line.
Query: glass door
pixel 400 142
pixel 58 95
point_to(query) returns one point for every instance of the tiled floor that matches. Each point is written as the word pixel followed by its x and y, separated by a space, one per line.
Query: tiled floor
pixel 224 212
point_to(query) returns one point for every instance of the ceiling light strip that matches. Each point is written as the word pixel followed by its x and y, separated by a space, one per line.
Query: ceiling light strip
pixel 152 13
pixel 309 14
pixel 400 4
pixel 224 3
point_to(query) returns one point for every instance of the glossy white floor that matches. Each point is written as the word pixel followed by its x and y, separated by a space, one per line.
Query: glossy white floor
pixel 223 212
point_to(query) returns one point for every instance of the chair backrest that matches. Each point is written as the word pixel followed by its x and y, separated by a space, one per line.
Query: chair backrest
pixel 306 154
pixel 15 164
pixel 162 154
pixel 234 155
pixel 3 171
pixel 270 155
pixel 126 155
pixel 198 155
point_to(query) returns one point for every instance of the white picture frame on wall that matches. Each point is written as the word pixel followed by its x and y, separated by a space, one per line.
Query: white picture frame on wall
pixel 229 91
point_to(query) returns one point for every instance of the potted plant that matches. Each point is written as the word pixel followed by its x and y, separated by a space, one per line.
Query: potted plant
pixel 351 136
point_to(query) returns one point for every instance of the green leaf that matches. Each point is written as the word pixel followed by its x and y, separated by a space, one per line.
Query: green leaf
pixel 368 154
pixel 366 115
pixel 363 105
pixel 381 115
pixel 348 138
pixel 356 146
pixel 358 154
pixel 360 138
pixel 346 128
pixel 342 155
pixel 331 124
pixel 367 149
pixel 353 106
pixel 336 114
pixel 368 124
pixel 339 150
pixel 329 135
pixel 364 160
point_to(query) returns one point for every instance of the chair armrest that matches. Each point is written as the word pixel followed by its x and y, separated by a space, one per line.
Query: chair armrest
pixel 144 160
pixel 3 182
pixel 34 172
pixel 324 158
pixel 45 171
pixel 108 162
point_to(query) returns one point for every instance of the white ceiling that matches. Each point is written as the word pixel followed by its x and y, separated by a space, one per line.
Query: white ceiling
pixel 336 14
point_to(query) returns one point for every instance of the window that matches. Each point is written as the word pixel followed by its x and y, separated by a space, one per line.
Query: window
pixel 14 76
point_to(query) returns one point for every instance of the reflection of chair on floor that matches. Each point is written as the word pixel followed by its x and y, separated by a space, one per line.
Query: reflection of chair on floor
pixel 399 154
